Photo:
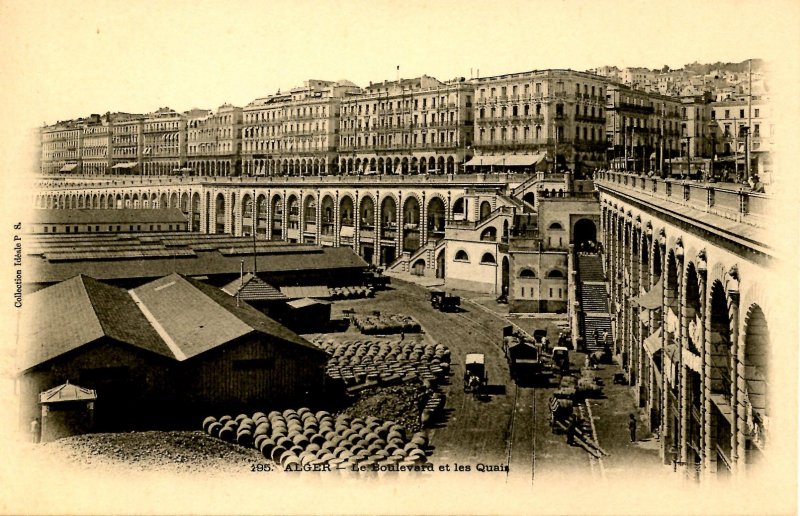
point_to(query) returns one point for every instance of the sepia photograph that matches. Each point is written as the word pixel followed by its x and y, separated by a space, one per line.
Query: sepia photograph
pixel 351 257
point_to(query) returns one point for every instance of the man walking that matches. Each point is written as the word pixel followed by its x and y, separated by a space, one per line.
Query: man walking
pixel 35 435
pixel 632 427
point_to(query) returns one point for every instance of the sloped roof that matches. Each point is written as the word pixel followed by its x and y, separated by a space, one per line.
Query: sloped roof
pixel 317 291
pixel 75 312
pixel 107 216
pixel 252 288
pixel 67 392
pixel 192 317
pixel 306 301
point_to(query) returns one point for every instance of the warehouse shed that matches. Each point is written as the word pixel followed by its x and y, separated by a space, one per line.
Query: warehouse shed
pixel 165 352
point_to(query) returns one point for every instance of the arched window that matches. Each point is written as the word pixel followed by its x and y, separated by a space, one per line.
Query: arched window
pixel 489 234
pixel 556 226
pixel 461 256
pixel 555 273
pixel 527 273
pixel 487 258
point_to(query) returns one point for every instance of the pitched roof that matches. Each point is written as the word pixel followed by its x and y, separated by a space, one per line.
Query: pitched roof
pixel 318 291
pixel 75 312
pixel 193 318
pixel 252 288
pixel 67 392
pixel 306 301
pixel 107 216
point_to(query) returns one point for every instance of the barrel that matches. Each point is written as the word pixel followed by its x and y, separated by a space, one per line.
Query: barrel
pixel 207 422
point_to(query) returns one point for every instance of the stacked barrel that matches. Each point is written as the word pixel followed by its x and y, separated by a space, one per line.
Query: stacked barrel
pixel 381 324
pixel 351 292
pixel 386 362
pixel 302 439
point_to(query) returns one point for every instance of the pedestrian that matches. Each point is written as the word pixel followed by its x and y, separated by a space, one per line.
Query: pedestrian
pixel 605 338
pixel 571 431
pixel 402 335
pixel 35 430
pixel 596 336
pixel 632 428
pixel 588 361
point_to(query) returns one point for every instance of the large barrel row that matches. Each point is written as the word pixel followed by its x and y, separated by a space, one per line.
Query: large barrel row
pixel 382 324
pixel 351 292
pixel 304 439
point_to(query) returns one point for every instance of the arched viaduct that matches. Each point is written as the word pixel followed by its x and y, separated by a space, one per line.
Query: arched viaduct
pixel 687 264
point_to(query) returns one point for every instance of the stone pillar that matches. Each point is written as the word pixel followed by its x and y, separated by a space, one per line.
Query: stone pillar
pixel 301 218
pixel 709 426
pixel 284 217
pixel 337 222
pixel 683 373
pixel 635 339
pixel 376 256
pixel 357 225
pixel 423 226
pixel 400 223
pixel 269 215
pixel 318 229
pixel 733 311
pixel 665 410
pixel 704 374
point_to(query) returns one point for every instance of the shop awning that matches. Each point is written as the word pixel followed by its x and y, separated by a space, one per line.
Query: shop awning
pixel 69 167
pixel 652 298
pixel 125 165
pixel 652 344
pixel 481 161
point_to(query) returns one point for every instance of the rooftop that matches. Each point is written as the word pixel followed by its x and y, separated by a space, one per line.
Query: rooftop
pixel 107 216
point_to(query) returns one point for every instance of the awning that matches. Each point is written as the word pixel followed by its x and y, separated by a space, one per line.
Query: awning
pixel 652 344
pixel 652 298
pixel 522 160
pixel 306 301
pixel 69 167
pixel 672 322
pixel 644 317
pixel 67 392
pixel 692 361
pixel 125 165
pixel 481 161
pixel 507 160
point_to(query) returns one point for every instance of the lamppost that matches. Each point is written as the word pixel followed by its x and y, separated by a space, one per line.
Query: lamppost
pixel 712 128
pixel 744 131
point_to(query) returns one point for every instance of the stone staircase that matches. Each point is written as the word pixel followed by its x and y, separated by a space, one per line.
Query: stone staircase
pixel 593 298
pixel 404 262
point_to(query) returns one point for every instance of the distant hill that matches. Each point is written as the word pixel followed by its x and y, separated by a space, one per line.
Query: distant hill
pixel 699 68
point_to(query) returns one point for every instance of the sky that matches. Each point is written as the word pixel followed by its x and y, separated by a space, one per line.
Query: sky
pixel 70 59
pixel 67 59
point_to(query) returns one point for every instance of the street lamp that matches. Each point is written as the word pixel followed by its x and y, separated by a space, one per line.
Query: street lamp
pixel 744 131
pixel 712 128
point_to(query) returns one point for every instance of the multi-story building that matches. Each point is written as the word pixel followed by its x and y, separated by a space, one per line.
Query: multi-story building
pixel 126 143
pixel 61 151
pixel 643 129
pixel 213 141
pixel 416 126
pixel 739 123
pixel 550 112
pixel 695 141
pixel 294 133
pixel 96 146
pixel 164 142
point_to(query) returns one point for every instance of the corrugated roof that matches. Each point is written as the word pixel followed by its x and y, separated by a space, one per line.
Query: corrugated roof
pixel 107 216
pixel 319 291
pixel 208 263
pixel 66 316
pixel 252 288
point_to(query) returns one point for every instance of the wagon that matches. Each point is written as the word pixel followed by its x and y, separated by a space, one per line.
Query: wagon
pixel 474 373
pixel 561 409
pixel 443 301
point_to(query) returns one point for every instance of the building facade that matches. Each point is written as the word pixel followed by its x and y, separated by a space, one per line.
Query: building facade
pixel 408 126
pixel 214 142
pixel 163 143
pixel 559 113
pixel 643 129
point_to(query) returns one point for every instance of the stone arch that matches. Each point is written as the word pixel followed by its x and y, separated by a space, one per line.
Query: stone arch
pixel 555 273
pixel 584 231
pixel 489 234
pixel 459 208
pixel 163 201
pixel 526 272
pixel 436 215
pixel 530 198
pixel 246 214
pixel 755 355
pixel 485 210
pixel 461 256
pixel 196 209
pixel 418 268
pixel 346 210
pixel 219 213
pixel 309 213
pixel 173 200
pixel 262 224
pixel 488 259
pixel 366 211
pixel 411 223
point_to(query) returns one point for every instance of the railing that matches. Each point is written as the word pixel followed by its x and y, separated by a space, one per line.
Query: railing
pixel 727 200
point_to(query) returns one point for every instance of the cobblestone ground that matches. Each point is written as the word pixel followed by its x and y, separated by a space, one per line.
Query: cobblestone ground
pixel 511 425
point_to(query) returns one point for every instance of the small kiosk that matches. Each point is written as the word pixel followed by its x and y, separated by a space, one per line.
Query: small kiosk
pixel 66 410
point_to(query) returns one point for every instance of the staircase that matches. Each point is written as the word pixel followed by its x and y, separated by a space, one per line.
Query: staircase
pixel 590 268
pixel 406 260
pixel 593 298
